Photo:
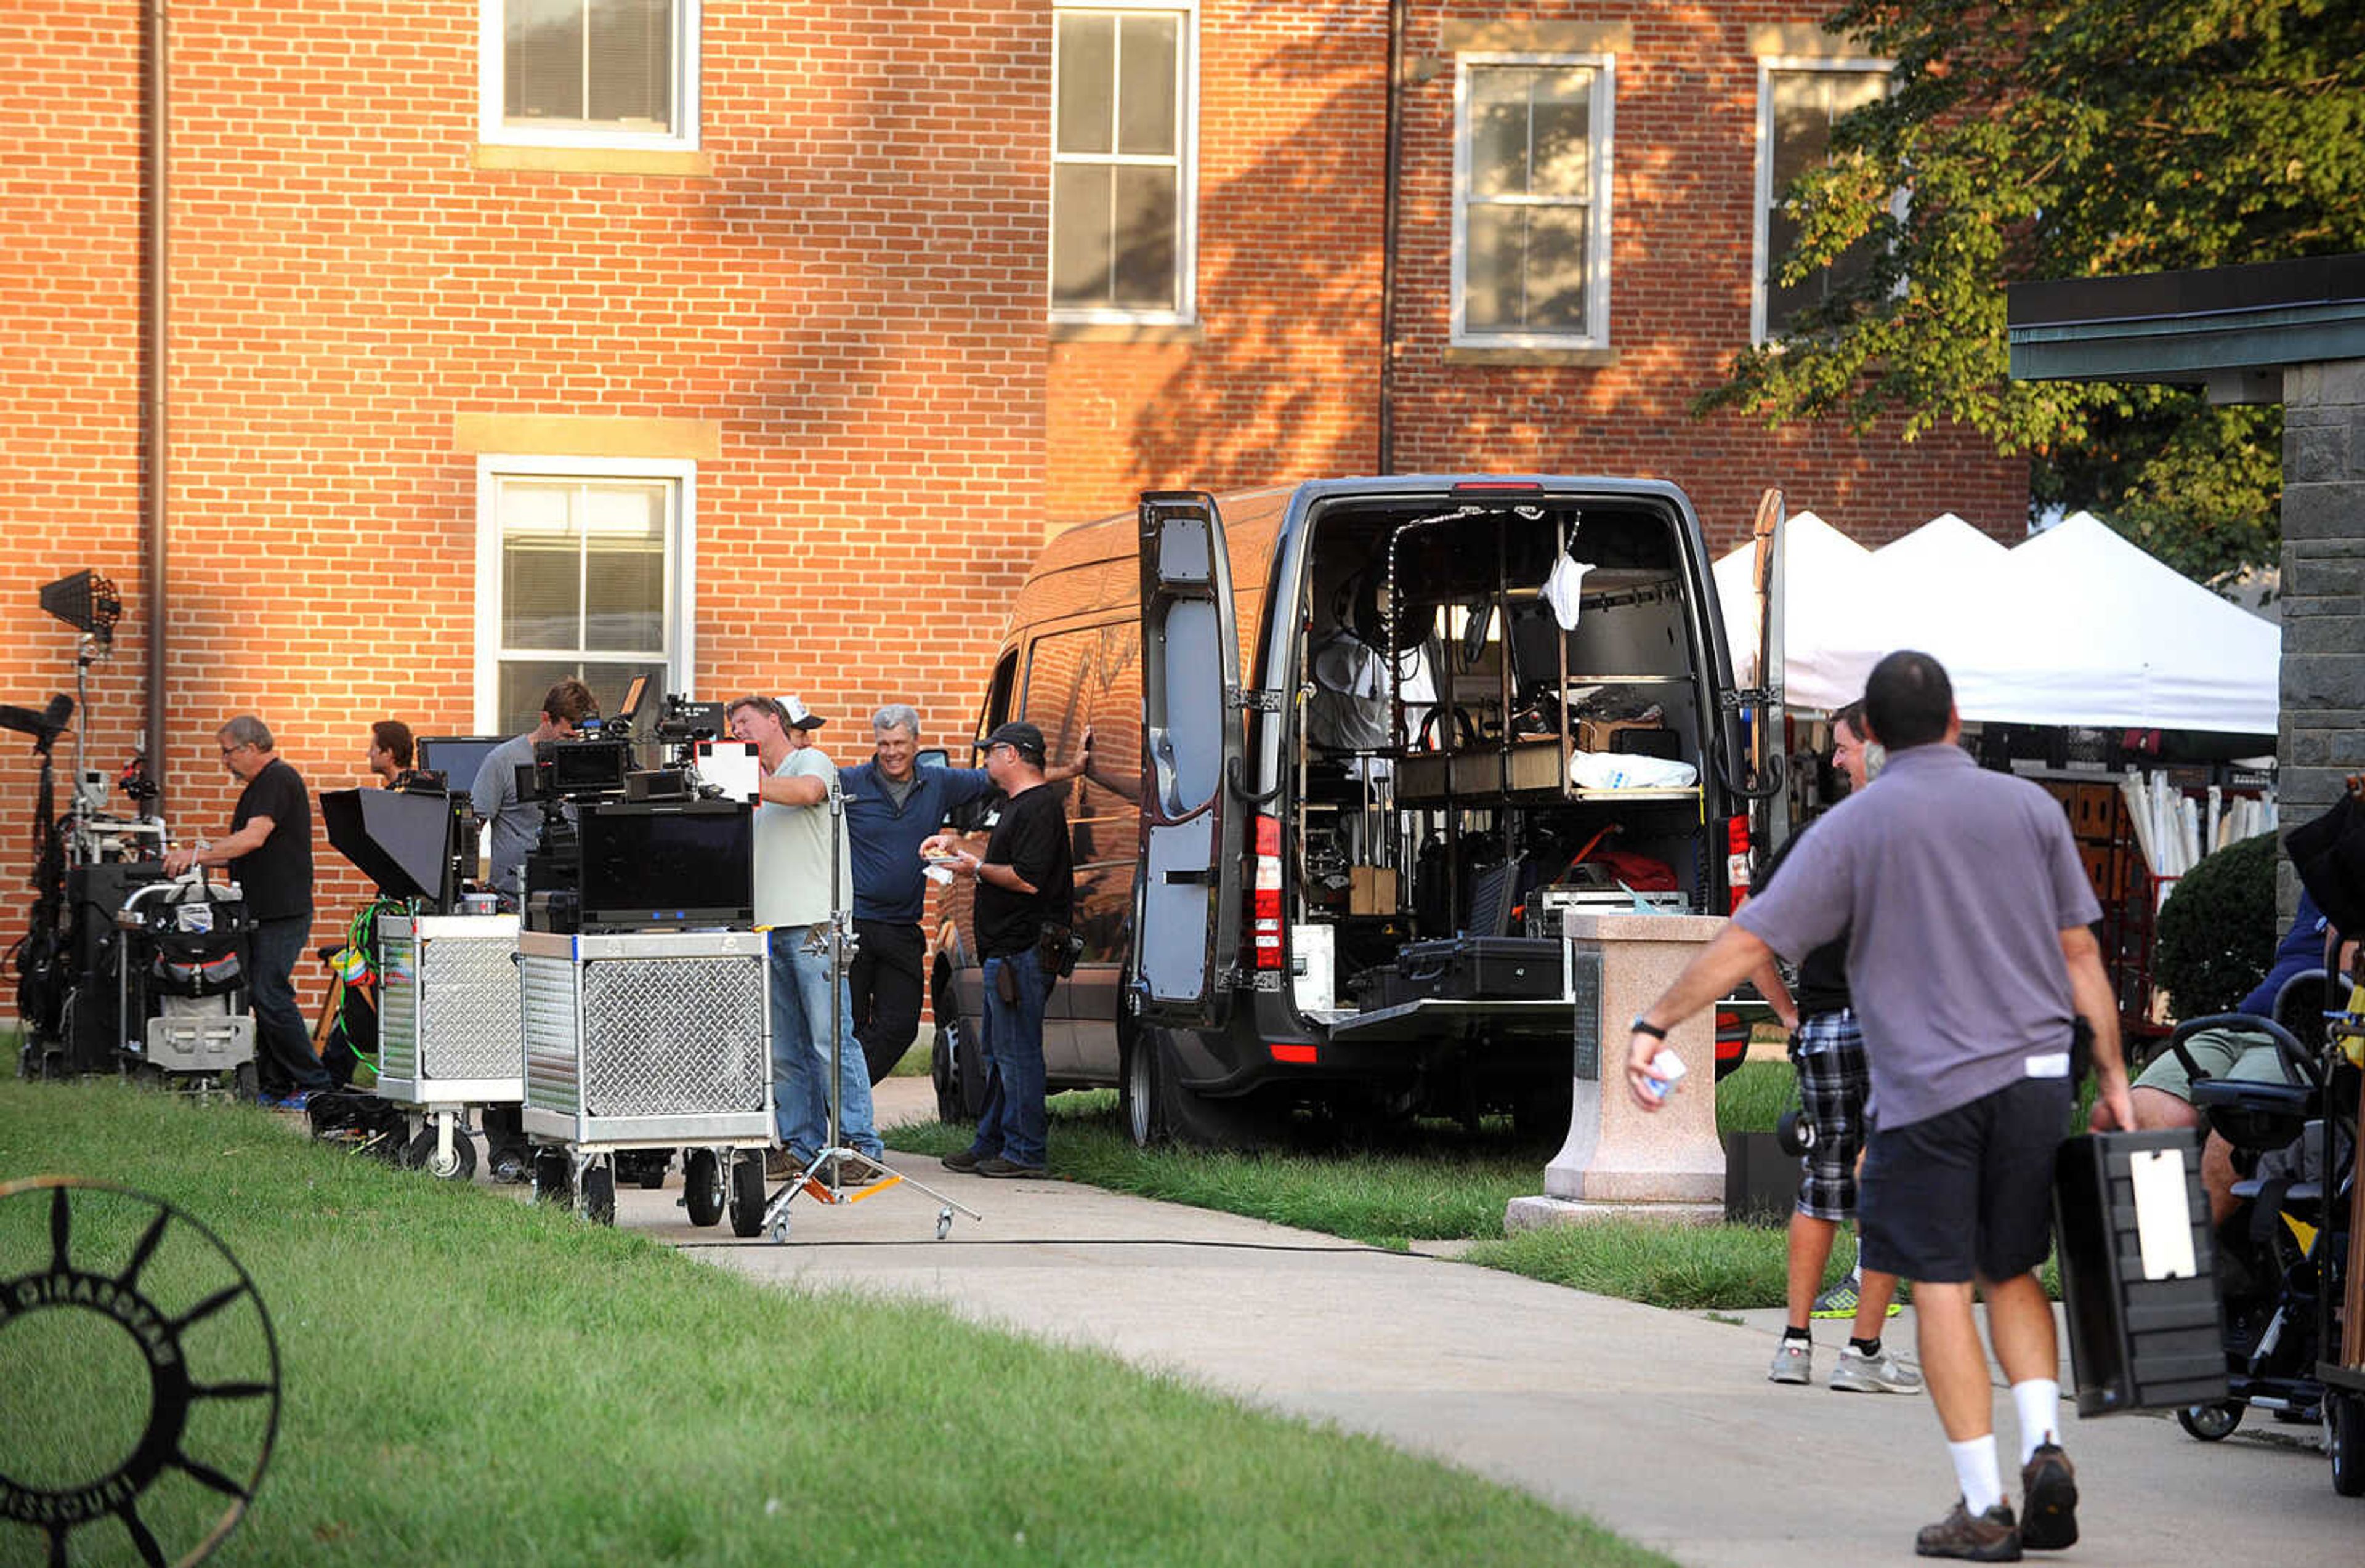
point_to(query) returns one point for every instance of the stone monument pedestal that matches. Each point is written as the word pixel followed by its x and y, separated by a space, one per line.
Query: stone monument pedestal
pixel 1621 1160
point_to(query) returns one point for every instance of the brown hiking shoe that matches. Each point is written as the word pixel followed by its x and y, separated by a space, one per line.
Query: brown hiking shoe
pixel 2048 1500
pixel 1992 1537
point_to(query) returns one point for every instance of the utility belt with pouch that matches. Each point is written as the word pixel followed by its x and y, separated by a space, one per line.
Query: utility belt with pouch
pixel 1056 950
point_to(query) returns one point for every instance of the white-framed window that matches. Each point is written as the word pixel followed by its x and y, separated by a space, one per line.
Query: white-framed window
pixel 616 74
pixel 583 568
pixel 1799 100
pixel 1124 96
pixel 1533 137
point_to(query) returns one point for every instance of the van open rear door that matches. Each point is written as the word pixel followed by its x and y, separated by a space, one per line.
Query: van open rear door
pixel 1769 744
pixel 1187 932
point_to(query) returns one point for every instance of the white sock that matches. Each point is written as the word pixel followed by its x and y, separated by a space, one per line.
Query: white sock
pixel 1975 1468
pixel 2039 1402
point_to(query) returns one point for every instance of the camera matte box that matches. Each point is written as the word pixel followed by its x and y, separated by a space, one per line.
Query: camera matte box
pixel 2138 1275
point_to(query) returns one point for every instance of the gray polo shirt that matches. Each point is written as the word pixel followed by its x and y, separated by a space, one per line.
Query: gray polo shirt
pixel 517 824
pixel 1952 886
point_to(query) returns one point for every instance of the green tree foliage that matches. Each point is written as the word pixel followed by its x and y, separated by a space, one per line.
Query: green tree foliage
pixel 2216 936
pixel 2059 139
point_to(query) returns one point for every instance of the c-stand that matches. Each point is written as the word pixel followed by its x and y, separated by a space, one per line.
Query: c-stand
pixel 826 1178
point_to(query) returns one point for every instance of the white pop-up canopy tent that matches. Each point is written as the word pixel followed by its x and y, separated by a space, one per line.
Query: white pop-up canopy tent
pixel 1823 583
pixel 2075 626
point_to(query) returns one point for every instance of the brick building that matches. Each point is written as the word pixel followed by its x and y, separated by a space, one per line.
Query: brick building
pixel 757 345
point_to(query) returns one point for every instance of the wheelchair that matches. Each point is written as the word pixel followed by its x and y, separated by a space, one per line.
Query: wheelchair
pixel 2283 1252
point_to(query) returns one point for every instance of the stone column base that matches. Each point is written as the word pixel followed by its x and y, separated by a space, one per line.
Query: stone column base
pixel 1543 1212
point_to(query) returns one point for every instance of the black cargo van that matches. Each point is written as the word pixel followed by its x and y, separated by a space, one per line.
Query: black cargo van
pixel 1358 745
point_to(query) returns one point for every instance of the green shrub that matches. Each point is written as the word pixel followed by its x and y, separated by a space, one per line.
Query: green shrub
pixel 2217 929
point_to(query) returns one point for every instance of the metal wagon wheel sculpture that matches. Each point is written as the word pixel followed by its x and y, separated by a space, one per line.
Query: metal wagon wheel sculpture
pixel 204 1342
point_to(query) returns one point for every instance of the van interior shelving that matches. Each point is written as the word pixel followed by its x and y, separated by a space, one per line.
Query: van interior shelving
pixel 1468 735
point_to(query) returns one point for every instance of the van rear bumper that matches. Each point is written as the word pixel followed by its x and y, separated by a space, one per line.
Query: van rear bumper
pixel 1501 1038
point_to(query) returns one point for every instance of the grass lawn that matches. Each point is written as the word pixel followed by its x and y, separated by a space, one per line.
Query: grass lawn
pixel 472 1380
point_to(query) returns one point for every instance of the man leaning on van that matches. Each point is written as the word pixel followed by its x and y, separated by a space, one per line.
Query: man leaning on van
pixel 1026 889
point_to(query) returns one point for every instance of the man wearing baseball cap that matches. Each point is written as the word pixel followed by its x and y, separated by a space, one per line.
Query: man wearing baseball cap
pixel 1025 885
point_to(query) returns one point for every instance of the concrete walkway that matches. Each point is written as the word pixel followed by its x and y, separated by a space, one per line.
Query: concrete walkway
pixel 1659 1425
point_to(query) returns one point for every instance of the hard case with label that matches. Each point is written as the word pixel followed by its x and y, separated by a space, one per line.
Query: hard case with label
pixel 2138 1275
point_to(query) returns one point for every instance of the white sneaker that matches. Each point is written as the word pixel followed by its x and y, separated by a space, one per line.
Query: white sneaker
pixel 1886 1373
pixel 1794 1361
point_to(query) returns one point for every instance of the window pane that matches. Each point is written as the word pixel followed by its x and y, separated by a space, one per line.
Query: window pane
pixel 543 60
pixel 624 568
pixel 608 678
pixel 541 568
pixel 1801 124
pixel 1145 238
pixel 1087 77
pixel 1555 281
pixel 1498 132
pixel 630 63
pixel 1146 87
pixel 1080 234
pixel 524 683
pixel 1491 270
pixel 1560 151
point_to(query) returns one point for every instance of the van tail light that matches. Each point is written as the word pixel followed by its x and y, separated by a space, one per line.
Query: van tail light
pixel 1736 861
pixel 1302 1055
pixel 1264 895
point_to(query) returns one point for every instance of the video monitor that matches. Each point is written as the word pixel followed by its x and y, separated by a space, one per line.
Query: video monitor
pixel 687 863
pixel 457 757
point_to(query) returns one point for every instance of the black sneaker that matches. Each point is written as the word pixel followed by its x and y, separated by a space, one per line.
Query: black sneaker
pixel 966 1161
pixel 1992 1537
pixel 2048 1500
pixel 1008 1170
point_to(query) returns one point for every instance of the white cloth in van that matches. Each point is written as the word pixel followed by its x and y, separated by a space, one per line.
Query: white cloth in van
pixel 1619 770
pixel 1563 589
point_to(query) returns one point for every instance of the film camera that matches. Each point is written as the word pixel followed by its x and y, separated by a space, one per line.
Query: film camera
pixel 625 848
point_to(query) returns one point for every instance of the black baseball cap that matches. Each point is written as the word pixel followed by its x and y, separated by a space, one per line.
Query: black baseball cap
pixel 1022 736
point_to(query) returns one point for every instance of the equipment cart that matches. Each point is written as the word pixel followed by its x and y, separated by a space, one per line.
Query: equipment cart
pixel 649 1040
pixel 449 1035
pixel 182 992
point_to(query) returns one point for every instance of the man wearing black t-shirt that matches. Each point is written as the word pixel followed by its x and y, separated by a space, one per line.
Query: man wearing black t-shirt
pixel 269 854
pixel 1025 882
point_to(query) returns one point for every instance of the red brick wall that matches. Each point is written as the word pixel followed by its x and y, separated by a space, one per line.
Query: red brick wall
pixel 854 295
pixel 1285 382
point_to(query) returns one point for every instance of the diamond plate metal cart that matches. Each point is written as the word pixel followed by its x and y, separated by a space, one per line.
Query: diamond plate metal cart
pixel 448 1029
pixel 650 1040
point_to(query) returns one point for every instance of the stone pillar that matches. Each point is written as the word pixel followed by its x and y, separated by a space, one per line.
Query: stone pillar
pixel 2322 594
pixel 1620 1160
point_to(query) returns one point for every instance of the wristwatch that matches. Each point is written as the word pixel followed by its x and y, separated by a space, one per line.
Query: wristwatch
pixel 1642 1026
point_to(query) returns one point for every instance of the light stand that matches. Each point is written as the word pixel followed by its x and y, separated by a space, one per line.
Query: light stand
pixel 827 1177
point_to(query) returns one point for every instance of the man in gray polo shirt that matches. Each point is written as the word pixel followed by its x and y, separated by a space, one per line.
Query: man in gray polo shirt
pixel 1965 913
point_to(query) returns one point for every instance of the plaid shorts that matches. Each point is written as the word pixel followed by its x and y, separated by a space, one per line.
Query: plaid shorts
pixel 1829 1050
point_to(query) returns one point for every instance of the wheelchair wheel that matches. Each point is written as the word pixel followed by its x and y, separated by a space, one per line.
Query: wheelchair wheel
pixel 2212 1423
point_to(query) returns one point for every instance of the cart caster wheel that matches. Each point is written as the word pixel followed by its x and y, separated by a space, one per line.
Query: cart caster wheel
pixel 1794 1133
pixel 599 1192
pixel 747 1200
pixel 2344 1441
pixel 2212 1423
pixel 702 1187
pixel 781 1231
pixel 423 1156
pixel 553 1182
pixel 944 1223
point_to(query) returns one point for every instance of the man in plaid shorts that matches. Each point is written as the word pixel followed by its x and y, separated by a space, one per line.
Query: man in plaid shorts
pixel 1828 1049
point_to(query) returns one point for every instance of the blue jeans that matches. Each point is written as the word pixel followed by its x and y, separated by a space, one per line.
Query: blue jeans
pixel 801 1000
pixel 1011 1124
pixel 284 1058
